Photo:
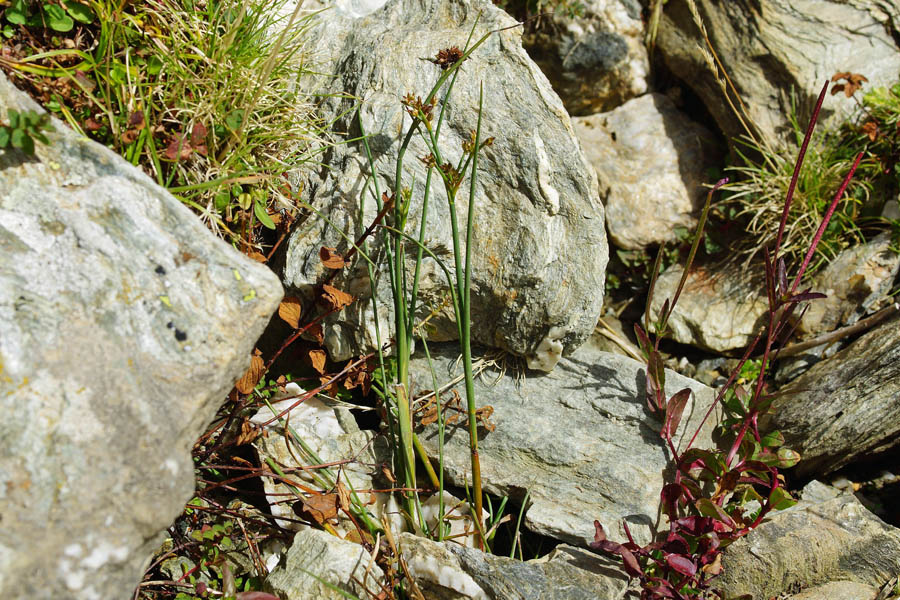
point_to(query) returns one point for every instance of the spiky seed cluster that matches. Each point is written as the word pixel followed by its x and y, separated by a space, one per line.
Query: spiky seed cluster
pixel 429 160
pixel 448 57
pixel 451 174
pixel 418 108
pixel 468 146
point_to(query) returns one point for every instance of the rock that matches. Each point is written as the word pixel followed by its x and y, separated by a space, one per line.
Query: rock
pixel 124 325
pixel 827 537
pixel 837 590
pixel 447 571
pixel 718 310
pixel 845 407
pixel 857 283
pixel 330 435
pixel 773 48
pixel 580 440
pixel 596 60
pixel 315 560
pixel 539 252
pixel 651 162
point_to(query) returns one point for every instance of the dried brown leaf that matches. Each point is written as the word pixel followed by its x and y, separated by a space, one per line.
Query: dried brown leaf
pixel 290 310
pixel 317 359
pixel 315 330
pixel 331 258
pixel 253 374
pixel 334 298
pixel 344 501
pixel 318 508
pixel 249 432
pixel 179 148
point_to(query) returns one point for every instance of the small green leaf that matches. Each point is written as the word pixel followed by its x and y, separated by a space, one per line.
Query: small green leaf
pixel 154 65
pixel 773 439
pixel 13 118
pixel 782 499
pixel 4 137
pixel 57 18
pixel 17 136
pixel 263 216
pixel 17 13
pixel 80 12
pixel 234 118
pixel 8 31
pixel 787 458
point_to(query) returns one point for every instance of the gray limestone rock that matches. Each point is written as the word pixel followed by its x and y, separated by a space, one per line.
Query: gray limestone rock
pixel 317 562
pixel 771 48
pixel 826 537
pixel 846 406
pixel 719 309
pixel 581 440
pixel 595 60
pixel 856 282
pixel 447 571
pixel 123 325
pixel 539 251
pixel 838 590
pixel 651 162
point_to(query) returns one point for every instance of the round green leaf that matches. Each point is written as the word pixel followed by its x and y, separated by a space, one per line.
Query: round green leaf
pixel 4 137
pixel 17 14
pixel 80 12
pixel 57 18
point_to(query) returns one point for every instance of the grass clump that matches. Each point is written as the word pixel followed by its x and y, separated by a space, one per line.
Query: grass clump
pixel 766 174
pixel 200 94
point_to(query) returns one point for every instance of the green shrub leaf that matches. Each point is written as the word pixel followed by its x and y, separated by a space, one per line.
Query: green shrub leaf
pixel 80 12
pixel 263 216
pixel 57 18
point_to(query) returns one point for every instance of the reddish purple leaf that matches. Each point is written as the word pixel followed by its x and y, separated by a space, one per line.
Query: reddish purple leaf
pixel 599 534
pixel 674 410
pixel 656 381
pixel 681 565
pixel 669 498
pixel 629 561
pixel 643 340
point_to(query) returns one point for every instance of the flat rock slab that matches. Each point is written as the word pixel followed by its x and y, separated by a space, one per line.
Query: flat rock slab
pixel 123 325
pixel 825 538
pixel 580 439
pixel 539 253
pixel 845 407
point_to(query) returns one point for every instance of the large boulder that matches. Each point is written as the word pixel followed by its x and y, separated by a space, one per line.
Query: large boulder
pixel 845 407
pixel 651 162
pixel 123 325
pixel 596 60
pixel 539 251
pixel 773 48
pixel 580 440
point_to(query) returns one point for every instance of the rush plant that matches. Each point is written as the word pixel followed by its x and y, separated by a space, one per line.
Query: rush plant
pixel 717 496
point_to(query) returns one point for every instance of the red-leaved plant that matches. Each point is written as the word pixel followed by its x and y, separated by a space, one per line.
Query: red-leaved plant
pixel 718 496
